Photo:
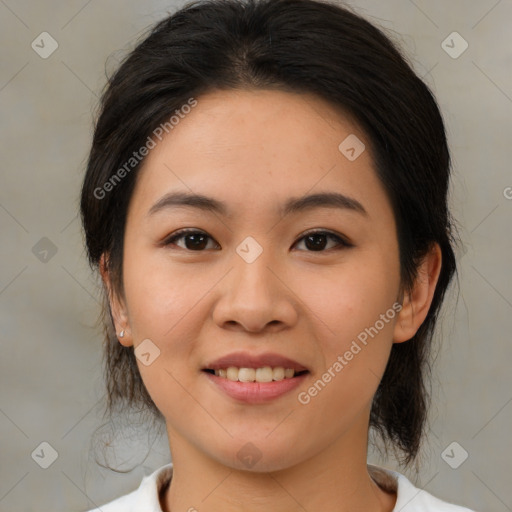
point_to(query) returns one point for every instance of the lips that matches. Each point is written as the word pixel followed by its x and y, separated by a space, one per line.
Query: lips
pixel 255 378
pixel 245 360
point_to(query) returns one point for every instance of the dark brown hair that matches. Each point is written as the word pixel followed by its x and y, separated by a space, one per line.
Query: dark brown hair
pixel 302 46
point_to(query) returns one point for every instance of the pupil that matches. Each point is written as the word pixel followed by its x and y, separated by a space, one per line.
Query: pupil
pixel 319 244
pixel 197 240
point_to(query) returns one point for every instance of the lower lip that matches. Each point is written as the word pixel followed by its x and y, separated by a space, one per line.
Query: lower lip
pixel 256 392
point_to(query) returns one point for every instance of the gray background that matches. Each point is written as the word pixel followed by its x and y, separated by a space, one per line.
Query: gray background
pixel 50 363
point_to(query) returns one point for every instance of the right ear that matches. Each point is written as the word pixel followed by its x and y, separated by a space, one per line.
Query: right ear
pixel 117 306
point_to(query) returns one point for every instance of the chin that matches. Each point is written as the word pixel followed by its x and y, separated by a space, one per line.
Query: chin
pixel 257 454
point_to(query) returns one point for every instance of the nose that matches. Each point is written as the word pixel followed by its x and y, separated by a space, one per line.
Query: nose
pixel 256 296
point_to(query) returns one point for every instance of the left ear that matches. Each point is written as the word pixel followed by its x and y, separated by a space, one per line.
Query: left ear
pixel 417 302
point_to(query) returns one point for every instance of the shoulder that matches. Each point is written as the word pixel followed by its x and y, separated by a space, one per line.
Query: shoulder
pixel 123 504
pixel 409 497
pixel 145 498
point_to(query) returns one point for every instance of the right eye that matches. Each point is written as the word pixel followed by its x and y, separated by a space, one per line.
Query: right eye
pixel 194 240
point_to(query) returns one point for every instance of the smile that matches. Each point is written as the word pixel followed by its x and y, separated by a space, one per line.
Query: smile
pixel 263 374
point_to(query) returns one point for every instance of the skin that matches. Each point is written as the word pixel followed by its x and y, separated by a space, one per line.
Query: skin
pixel 253 150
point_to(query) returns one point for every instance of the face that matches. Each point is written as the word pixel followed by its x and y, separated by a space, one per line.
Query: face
pixel 265 277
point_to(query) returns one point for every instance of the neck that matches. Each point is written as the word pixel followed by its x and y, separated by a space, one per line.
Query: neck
pixel 334 480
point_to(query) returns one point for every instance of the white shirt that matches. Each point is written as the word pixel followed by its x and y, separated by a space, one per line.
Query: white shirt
pixel 409 497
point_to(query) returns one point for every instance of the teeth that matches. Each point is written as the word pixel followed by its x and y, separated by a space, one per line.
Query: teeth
pixel 289 373
pixel 278 373
pixel 265 374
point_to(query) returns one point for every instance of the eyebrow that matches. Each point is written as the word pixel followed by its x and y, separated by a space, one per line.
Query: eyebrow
pixel 292 205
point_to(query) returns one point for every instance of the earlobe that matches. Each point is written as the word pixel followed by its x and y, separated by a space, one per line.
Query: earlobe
pixel 117 308
pixel 417 301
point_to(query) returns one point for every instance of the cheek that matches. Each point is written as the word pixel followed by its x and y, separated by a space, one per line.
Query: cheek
pixel 166 304
pixel 158 296
pixel 355 350
pixel 354 314
pixel 350 297
pixel 163 306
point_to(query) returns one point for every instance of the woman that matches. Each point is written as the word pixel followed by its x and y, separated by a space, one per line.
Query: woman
pixel 266 202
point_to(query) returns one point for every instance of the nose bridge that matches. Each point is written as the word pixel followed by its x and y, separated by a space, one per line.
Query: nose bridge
pixel 254 296
pixel 252 275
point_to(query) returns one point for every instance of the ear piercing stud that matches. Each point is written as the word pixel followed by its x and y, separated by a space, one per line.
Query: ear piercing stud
pixel 121 334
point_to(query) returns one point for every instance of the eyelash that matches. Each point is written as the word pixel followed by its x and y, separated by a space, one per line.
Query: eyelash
pixel 342 243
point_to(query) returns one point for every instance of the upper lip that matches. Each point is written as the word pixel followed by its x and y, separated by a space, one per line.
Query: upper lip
pixel 246 360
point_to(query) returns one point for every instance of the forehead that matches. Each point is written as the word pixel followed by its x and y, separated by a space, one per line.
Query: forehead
pixel 258 148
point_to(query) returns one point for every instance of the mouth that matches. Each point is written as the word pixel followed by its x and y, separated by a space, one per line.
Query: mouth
pixel 255 378
pixel 246 367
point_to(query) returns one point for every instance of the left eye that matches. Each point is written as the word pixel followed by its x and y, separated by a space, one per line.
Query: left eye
pixel 317 240
pixel 314 241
